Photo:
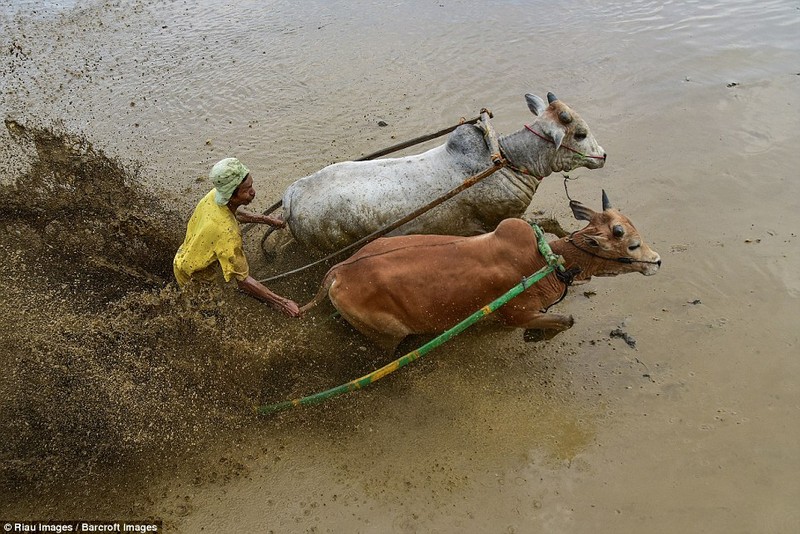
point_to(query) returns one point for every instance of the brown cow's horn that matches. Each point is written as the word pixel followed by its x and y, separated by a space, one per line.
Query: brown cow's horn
pixel 551 98
pixel 606 203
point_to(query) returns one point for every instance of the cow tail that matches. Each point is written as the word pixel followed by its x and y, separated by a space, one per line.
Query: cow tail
pixel 322 294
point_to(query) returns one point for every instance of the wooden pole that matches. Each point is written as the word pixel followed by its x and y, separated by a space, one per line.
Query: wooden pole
pixel 394 148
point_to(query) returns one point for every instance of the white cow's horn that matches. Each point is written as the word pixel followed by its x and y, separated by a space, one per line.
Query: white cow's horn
pixel 551 98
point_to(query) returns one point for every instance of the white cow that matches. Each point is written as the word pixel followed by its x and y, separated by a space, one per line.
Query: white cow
pixel 346 201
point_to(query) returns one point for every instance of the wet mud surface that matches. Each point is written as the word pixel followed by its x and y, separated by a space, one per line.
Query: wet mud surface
pixel 670 406
pixel 110 373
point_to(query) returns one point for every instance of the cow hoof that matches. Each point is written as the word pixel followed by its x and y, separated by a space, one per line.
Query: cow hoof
pixel 269 255
pixel 532 335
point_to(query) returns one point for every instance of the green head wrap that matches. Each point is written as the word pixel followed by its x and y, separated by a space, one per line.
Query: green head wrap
pixel 226 175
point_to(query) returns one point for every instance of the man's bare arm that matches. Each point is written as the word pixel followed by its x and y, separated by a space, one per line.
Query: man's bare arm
pixel 253 287
pixel 247 217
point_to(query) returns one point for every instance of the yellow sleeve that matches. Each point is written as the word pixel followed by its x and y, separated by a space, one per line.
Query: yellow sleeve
pixel 232 259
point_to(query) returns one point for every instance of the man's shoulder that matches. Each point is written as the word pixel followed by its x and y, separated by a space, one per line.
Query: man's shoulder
pixel 208 215
pixel 208 207
pixel 209 199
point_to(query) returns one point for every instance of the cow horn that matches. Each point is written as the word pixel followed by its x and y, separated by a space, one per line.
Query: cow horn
pixel 606 203
pixel 551 98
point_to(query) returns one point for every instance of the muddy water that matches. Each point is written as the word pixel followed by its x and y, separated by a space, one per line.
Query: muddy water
pixel 136 397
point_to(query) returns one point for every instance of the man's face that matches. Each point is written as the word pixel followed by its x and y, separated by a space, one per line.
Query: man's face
pixel 245 193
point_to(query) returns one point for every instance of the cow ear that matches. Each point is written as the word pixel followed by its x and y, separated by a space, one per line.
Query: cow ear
pixel 558 136
pixel 554 130
pixel 592 241
pixel 581 212
pixel 535 104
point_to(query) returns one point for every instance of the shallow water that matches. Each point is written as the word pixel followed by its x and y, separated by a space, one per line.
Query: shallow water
pixel 693 430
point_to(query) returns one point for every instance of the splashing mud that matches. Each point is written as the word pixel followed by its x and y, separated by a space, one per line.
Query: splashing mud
pixel 105 364
pixel 124 395
pixel 113 378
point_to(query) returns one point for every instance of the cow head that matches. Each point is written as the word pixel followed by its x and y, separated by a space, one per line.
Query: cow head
pixel 611 243
pixel 575 144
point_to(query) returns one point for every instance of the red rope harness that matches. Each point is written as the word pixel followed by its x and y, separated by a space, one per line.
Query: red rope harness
pixel 562 146
pixel 522 170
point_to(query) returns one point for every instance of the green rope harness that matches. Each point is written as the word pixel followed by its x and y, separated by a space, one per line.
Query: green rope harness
pixel 553 262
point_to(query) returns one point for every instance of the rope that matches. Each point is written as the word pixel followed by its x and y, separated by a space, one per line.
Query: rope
pixel 553 263
pixel 581 154
pixel 620 259
pixel 469 182
pixel 417 140
pixel 394 148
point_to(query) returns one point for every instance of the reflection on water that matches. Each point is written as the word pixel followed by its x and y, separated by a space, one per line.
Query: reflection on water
pixel 37 7
pixel 292 86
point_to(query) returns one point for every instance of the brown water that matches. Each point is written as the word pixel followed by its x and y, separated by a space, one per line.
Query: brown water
pixel 136 398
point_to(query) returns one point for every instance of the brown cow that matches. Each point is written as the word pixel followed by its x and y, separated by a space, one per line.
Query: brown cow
pixel 422 284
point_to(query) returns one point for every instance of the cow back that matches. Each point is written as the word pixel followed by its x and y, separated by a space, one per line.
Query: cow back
pixel 428 283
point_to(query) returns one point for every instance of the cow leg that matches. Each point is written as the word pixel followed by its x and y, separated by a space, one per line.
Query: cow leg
pixel 541 326
pixel 537 319
pixel 534 335
pixel 277 245
pixel 387 343
pixel 387 338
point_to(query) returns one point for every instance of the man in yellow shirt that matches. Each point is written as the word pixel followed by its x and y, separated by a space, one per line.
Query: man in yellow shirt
pixel 214 241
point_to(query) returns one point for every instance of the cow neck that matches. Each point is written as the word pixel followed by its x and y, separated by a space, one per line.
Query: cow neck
pixel 520 163
pixel 565 277
pixel 575 257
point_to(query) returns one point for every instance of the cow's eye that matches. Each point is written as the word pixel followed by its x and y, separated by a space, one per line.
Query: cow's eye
pixel 618 230
pixel 580 136
pixel 634 247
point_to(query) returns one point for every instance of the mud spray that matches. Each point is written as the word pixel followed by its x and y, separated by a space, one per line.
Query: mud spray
pixel 107 368
pixel 121 395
